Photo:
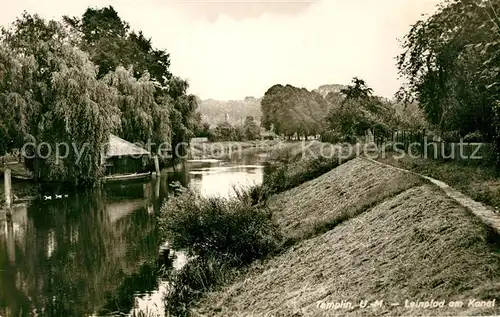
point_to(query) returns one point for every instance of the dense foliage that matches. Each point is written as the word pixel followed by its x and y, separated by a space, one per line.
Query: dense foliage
pixel 290 111
pixel 110 42
pixel 78 82
pixel 451 62
pixel 337 113
pixel 221 234
pixel 229 228
pixel 358 111
pixel 251 130
pixel 50 93
pixel 142 117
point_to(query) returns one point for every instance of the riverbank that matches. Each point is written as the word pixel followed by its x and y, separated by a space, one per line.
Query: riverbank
pixel 368 232
pixel 220 149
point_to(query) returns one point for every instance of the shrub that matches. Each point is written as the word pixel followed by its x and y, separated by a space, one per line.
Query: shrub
pixel 288 153
pixel 451 136
pixel 219 227
pixel 197 277
pixel 253 195
pixel 220 234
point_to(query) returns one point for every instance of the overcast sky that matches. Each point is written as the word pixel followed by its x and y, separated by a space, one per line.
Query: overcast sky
pixel 232 49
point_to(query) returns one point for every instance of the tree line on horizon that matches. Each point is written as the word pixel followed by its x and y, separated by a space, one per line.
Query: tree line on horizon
pixel 450 62
pixel 82 79
pixel 249 130
pixel 337 113
pixel 214 111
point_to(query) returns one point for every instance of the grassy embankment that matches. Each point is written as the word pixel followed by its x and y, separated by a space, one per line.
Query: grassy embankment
pixel 481 182
pixel 418 245
pixel 226 235
pixel 361 231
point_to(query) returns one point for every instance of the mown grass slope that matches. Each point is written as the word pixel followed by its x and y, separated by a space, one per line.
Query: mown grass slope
pixel 364 231
pixel 320 204
pixel 417 245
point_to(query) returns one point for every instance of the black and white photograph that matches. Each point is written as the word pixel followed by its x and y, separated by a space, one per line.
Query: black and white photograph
pixel 249 158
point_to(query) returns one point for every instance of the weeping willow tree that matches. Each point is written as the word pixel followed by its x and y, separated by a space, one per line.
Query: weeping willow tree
pixel 63 109
pixel 112 45
pixel 16 103
pixel 144 119
pixel 181 115
pixel 84 114
pixel 52 92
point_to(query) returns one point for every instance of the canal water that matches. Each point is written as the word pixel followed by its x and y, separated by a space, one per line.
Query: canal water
pixel 97 254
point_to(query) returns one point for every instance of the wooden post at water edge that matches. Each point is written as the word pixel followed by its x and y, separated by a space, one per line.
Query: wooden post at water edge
pixel 8 189
pixel 157 165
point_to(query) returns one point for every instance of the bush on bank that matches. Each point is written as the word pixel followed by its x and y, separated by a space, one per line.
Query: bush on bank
pixel 291 175
pixel 220 234
pixel 197 277
pixel 219 227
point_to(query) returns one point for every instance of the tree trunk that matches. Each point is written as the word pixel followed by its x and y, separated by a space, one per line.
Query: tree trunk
pixel 36 169
pixel 157 165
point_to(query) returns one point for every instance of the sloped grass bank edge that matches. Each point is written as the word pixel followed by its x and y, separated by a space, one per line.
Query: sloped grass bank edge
pixel 224 235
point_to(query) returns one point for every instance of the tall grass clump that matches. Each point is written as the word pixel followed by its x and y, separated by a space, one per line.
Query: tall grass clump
pixel 220 235
pixel 198 277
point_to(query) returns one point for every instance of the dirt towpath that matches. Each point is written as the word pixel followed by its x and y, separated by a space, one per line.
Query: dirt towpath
pixel 485 213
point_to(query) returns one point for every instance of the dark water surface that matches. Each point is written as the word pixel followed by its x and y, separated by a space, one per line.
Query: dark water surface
pixel 97 253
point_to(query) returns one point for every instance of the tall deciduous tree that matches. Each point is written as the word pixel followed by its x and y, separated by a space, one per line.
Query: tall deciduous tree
pixel 143 119
pixel 450 61
pixel 360 111
pixel 16 102
pixel 111 44
pixel 183 109
pixel 251 129
pixel 293 111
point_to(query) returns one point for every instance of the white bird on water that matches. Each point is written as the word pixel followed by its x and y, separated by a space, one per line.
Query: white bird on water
pixel 47 197
pixel 58 196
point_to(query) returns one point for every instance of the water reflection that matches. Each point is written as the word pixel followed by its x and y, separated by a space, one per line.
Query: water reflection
pixel 97 253
pixel 219 181
pixel 68 256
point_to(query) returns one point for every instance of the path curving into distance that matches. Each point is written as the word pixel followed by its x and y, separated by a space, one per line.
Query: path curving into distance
pixel 485 213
